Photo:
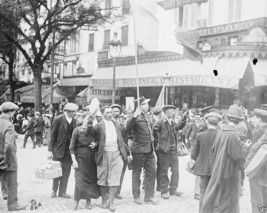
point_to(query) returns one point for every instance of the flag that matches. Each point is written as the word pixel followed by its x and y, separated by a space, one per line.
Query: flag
pixel 161 98
pixel 154 29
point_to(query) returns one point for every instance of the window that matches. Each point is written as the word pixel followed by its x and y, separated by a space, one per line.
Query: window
pixel 193 15
pixel 181 11
pixel 91 42
pixel 124 35
pixel 185 16
pixel 65 69
pixel 211 8
pixel 106 39
pixel 73 69
pixel 125 7
pixel 108 7
pixel 234 10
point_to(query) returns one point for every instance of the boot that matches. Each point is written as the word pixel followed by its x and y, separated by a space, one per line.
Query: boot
pixel 112 193
pixel 76 206
pixel 88 204
pixel 104 194
pixel 202 194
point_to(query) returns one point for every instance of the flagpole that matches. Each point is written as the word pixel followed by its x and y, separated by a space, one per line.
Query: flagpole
pixel 136 61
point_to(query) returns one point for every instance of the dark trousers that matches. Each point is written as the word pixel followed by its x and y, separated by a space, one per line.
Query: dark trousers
pixel 26 139
pixel 158 177
pixel 122 176
pixel 166 161
pixel 12 187
pixel 39 138
pixel 62 182
pixel 204 181
pixel 3 179
pixel 146 160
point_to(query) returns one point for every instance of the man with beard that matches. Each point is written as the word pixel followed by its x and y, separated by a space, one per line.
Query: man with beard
pixel 223 191
pixel 167 151
pixel 110 156
pixel 116 111
pixel 58 148
pixel 142 151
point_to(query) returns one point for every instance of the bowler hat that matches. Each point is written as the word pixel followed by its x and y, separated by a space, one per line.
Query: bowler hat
pixel 9 106
pixel 142 100
pixel 115 106
pixel 71 107
pixel 260 113
pixel 165 108
pixel 235 111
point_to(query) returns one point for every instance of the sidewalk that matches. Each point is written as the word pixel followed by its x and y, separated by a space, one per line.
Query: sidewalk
pixel 32 188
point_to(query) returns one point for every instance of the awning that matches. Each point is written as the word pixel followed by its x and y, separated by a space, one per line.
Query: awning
pixel 78 81
pixel 181 73
pixel 57 98
pixel 260 72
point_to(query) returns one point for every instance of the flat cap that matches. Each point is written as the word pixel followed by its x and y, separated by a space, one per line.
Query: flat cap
pixel 207 109
pixel 142 100
pixel 213 118
pixel 71 107
pixel 156 110
pixel 37 113
pixel 9 106
pixel 260 113
pixel 115 106
pixel 165 108
pixel 48 115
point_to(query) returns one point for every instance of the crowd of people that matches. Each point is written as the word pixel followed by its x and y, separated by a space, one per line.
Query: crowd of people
pixel 99 143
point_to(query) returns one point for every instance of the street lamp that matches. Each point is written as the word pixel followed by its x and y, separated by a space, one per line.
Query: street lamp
pixel 114 50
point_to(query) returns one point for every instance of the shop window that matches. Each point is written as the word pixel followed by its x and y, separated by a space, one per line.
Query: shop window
pixel 106 39
pixel 124 35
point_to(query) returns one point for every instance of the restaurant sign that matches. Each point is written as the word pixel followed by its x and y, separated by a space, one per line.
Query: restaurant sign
pixel 181 80
pixel 170 4
pixel 234 27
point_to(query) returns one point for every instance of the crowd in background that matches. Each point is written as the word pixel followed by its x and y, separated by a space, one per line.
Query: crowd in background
pixel 106 140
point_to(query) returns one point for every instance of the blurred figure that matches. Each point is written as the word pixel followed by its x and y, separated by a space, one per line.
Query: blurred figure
pixel 78 117
pixel 58 148
pixel 30 132
pixel 82 150
pixel 47 128
pixel 8 156
pixel 38 128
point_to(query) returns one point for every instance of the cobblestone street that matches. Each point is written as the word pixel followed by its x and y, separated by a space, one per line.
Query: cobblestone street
pixel 31 188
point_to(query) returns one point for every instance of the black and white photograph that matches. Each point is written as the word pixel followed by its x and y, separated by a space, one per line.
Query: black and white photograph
pixel 133 106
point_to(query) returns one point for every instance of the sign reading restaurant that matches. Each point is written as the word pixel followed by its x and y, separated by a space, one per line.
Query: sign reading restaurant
pixel 181 80
pixel 170 4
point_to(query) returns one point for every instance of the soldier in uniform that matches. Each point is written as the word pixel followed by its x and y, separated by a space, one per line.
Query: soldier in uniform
pixel 8 156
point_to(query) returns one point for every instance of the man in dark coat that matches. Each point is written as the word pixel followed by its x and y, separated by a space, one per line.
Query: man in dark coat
pixel 142 151
pixel 110 156
pixel 223 191
pixel 167 151
pixel 58 148
pixel 8 156
pixel 38 128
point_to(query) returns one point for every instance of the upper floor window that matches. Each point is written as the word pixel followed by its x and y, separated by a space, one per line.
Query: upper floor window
pixel 108 5
pixel 91 42
pixel 106 39
pixel 125 7
pixel 211 8
pixel 234 10
pixel 124 35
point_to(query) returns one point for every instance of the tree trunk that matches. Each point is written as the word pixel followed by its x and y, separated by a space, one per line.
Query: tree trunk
pixel 11 81
pixel 37 90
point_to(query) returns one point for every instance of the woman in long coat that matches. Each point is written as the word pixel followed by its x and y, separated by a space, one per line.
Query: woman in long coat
pixel 82 149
